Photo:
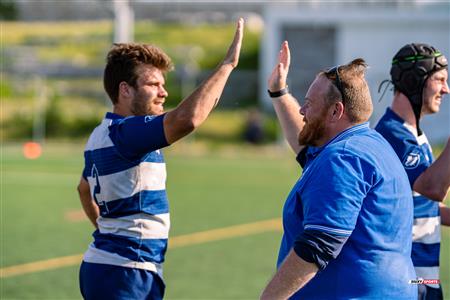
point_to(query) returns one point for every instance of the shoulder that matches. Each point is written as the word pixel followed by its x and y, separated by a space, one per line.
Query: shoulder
pixel 395 131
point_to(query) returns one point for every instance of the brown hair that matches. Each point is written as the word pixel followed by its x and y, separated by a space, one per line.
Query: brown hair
pixel 354 90
pixel 122 61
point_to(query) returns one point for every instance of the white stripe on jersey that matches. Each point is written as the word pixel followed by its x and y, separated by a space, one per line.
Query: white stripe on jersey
pixel 97 256
pixel 427 230
pixel 428 273
pixel 118 186
pixel 100 137
pixel 422 139
pixel 329 229
pixel 141 226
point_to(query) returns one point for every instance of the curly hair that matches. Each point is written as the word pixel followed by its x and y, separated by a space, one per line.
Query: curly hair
pixel 354 93
pixel 122 61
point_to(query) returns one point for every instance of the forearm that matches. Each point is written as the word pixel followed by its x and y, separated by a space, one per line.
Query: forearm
pixel 194 110
pixel 445 214
pixel 197 106
pixel 434 182
pixel 287 110
pixel 293 274
pixel 89 206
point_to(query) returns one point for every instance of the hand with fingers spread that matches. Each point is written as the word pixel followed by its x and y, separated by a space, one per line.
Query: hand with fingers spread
pixel 232 56
pixel 277 79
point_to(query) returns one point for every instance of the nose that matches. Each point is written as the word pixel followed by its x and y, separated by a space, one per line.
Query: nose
pixel 445 89
pixel 163 93
pixel 302 110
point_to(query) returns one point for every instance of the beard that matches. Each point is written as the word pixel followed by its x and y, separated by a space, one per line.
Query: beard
pixel 313 130
pixel 139 107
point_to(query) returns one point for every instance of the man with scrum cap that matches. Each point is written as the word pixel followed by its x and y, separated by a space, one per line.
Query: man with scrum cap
pixel 419 74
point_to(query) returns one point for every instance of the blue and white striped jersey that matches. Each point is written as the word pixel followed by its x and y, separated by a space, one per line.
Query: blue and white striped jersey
pixel 126 173
pixel 416 156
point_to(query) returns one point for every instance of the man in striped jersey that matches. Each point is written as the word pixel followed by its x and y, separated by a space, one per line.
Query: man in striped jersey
pixel 122 189
pixel 347 221
pixel 419 74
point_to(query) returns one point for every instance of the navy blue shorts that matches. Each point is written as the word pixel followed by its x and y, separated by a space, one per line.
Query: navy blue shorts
pixel 99 281
pixel 429 293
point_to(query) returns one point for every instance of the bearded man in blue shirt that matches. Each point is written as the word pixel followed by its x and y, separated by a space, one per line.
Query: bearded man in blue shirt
pixel 347 220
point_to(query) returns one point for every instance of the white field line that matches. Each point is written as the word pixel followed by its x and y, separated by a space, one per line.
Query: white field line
pixel 175 242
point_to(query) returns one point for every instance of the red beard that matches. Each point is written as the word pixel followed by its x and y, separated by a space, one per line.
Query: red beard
pixel 313 130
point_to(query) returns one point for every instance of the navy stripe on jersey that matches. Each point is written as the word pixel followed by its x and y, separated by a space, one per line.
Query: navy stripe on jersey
pixel 141 250
pixel 151 202
pixel 423 207
pixel 138 135
pixel 109 161
pixel 425 255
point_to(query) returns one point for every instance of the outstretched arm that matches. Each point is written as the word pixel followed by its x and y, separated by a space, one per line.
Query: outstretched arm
pixel 286 106
pixel 194 110
pixel 434 182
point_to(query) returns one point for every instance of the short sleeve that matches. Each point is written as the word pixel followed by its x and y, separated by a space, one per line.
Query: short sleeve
pixel 137 136
pixel 85 173
pixel 333 196
pixel 414 160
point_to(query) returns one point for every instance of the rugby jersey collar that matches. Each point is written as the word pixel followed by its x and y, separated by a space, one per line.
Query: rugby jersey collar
pixel 113 116
pixel 312 151
pixel 392 115
pixel 347 132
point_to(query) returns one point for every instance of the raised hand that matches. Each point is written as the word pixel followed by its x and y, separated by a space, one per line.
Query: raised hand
pixel 277 79
pixel 232 56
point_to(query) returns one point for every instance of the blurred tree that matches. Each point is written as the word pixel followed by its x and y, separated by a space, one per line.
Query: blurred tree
pixel 8 10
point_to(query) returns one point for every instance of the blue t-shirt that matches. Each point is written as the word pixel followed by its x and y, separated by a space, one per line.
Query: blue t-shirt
pixel 127 177
pixel 416 156
pixel 351 214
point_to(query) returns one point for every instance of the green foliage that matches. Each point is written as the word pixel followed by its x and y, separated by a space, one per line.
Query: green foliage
pixel 8 10
pixel 6 90
pixel 85 44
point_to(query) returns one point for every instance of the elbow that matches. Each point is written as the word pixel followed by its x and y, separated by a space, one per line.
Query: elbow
pixel 433 193
pixel 187 124
pixel 439 196
pixel 79 189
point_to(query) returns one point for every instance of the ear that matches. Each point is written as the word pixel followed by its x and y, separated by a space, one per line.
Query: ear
pixel 125 90
pixel 336 111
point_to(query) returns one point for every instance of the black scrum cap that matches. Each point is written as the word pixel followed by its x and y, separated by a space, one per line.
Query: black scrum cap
pixel 411 67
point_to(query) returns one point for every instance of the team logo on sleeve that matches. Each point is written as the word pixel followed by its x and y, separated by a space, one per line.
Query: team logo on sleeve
pixel 148 119
pixel 412 160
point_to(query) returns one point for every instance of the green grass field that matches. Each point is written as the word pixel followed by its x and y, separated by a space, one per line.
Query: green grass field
pixel 207 190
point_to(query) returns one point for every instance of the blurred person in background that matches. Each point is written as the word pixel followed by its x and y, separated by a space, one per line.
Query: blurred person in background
pixel 347 221
pixel 419 74
pixel 122 188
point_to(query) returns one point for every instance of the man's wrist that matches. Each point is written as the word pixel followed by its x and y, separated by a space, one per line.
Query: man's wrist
pixel 278 93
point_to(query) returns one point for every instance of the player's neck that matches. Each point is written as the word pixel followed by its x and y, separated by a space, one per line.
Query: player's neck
pixel 402 107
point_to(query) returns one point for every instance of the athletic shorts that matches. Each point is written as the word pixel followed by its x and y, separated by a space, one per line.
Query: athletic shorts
pixel 99 281
pixel 429 293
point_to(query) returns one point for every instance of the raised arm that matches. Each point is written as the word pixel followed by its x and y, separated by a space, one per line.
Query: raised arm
pixel 194 110
pixel 434 182
pixel 286 106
